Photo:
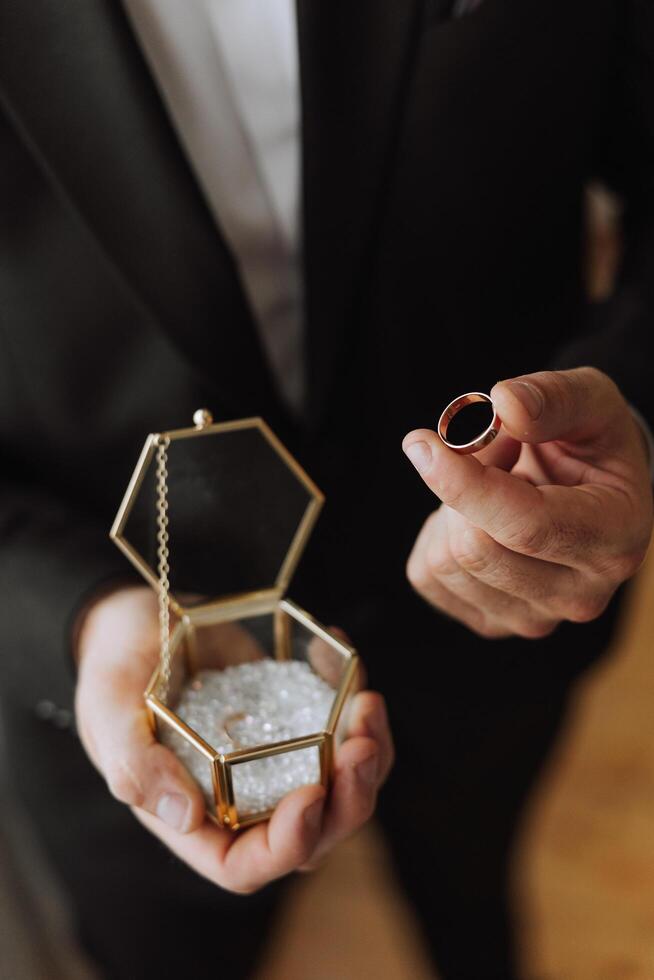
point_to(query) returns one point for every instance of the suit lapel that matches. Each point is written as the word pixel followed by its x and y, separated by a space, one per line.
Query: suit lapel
pixel 75 81
pixel 354 60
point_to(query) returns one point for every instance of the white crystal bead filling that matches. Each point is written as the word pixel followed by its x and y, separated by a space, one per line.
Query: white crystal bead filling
pixel 260 702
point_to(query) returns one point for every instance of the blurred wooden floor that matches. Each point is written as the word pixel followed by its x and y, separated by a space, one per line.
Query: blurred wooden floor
pixel 584 867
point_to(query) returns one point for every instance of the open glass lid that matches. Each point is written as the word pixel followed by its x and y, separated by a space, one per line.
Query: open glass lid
pixel 240 510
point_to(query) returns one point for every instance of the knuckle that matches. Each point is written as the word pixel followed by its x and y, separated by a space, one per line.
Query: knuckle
pixel 529 538
pixel 593 378
pixel 617 568
pixel 123 784
pixel 232 878
pixel 471 552
pixel 574 387
pixel 417 573
pixel 438 560
pixel 240 887
pixel 434 520
pixel 536 630
pixel 628 564
pixel 247 889
pixel 489 630
pixel 583 609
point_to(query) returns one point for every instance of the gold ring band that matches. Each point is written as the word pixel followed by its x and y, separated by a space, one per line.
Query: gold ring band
pixel 230 720
pixel 454 408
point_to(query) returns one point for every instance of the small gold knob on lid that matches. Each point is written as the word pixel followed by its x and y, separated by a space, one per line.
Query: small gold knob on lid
pixel 202 418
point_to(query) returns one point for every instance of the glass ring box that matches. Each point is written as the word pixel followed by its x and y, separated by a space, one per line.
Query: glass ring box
pixel 250 689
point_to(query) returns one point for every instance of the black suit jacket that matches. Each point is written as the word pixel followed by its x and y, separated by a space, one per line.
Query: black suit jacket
pixel 444 165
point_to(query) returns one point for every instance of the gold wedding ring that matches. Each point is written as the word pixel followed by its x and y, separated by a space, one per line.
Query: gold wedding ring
pixel 454 408
pixel 232 720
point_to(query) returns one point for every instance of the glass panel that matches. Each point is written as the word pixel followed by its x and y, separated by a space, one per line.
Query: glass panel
pixel 219 645
pixel 234 508
pixel 260 785
pixel 240 697
pixel 194 760
pixel 223 697
pixel 325 659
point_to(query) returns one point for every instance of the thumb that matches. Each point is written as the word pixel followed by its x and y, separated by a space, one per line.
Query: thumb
pixel 139 770
pixel 118 649
pixel 142 772
pixel 577 405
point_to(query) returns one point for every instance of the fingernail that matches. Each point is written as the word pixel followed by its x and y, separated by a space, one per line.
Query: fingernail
pixel 420 455
pixel 529 397
pixel 367 770
pixel 173 809
pixel 313 815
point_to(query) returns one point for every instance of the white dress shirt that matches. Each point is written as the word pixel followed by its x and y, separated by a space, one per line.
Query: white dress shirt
pixel 227 71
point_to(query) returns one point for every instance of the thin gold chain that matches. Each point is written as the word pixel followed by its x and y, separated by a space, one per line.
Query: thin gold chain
pixel 163 567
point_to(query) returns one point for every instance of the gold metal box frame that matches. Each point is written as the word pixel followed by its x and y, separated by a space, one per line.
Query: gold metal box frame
pixel 228 609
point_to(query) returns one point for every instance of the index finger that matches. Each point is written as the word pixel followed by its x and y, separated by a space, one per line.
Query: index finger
pixel 542 522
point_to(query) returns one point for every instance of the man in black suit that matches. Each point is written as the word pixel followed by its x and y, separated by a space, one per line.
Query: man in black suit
pixel 443 162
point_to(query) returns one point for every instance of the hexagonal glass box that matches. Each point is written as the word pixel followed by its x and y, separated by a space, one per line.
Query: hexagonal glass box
pixel 240 510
